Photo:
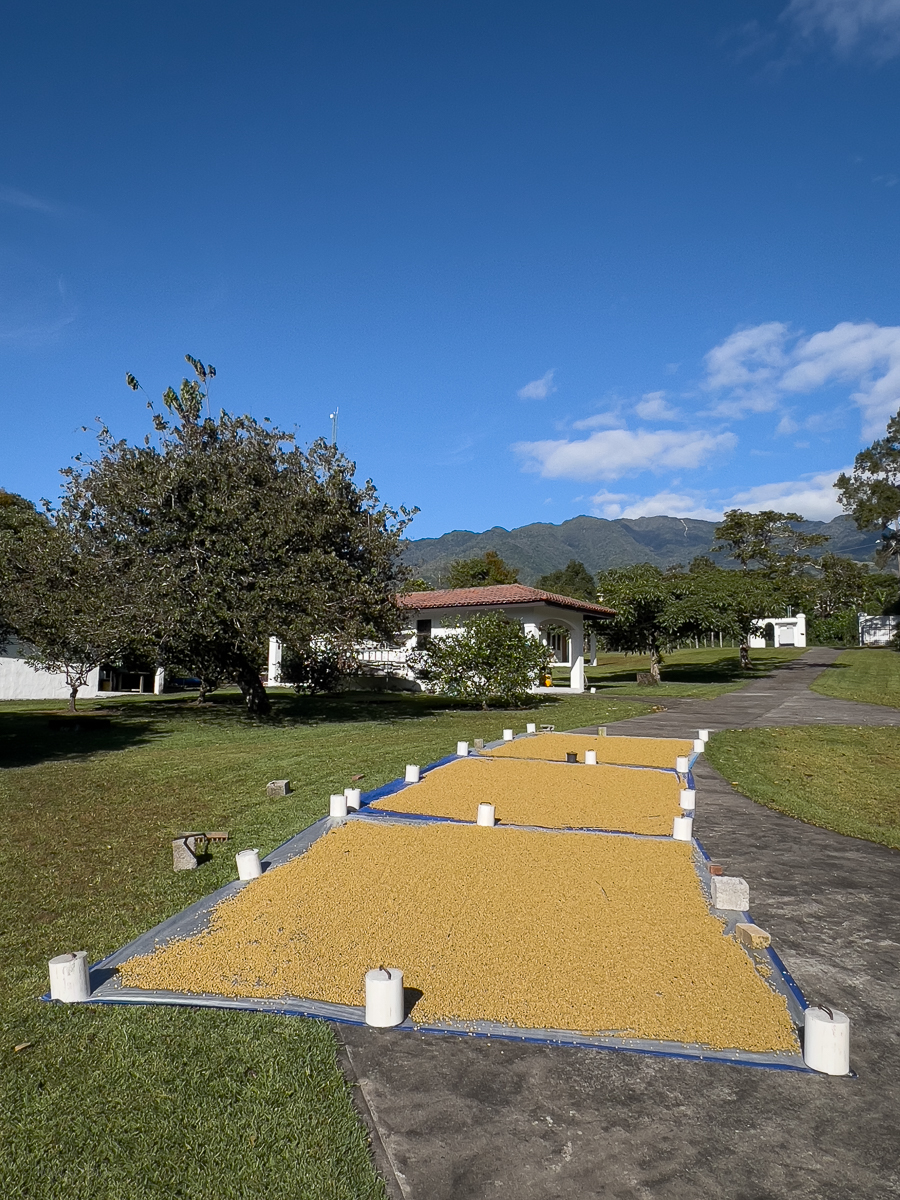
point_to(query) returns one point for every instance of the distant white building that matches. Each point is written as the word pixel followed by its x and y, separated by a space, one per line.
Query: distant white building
pixel 780 631
pixel 19 681
pixel 877 631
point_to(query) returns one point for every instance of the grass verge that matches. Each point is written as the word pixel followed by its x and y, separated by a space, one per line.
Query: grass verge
pixel 114 1103
pixel 835 776
pixel 872 676
pixel 687 673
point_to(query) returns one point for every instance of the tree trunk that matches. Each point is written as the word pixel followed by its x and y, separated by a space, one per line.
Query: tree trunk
pixel 255 699
pixel 655 660
pixel 745 655
pixel 73 693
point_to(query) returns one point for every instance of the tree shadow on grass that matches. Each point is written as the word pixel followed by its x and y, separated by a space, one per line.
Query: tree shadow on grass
pixel 724 670
pixel 29 738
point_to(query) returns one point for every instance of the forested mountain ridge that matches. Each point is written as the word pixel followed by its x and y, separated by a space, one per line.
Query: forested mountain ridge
pixel 600 544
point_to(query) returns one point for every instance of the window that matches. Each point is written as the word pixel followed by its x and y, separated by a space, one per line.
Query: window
pixel 423 634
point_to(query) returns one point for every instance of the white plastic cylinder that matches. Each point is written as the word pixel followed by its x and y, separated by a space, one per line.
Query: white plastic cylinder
pixel 699 745
pixel 703 735
pixel 384 997
pixel 826 1041
pixel 683 829
pixel 507 735
pixel 354 798
pixel 338 805
pixel 486 815
pixel 412 773
pixel 462 749
pixel 531 727
pixel 70 980
pixel 248 864
pixel 688 798
pixel 682 765
pixel 590 758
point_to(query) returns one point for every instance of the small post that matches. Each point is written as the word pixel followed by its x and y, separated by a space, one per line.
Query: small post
pixel 70 979
pixel 337 806
pixel 462 749
pixel 412 773
pixel 354 798
pixel 531 727
pixel 699 745
pixel 682 829
pixel 248 864
pixel 688 798
pixel 507 735
pixel 703 735
pixel 682 764
pixel 590 758
pixel 384 997
pixel 486 815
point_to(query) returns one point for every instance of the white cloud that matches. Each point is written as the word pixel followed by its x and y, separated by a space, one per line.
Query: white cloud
pixel 538 389
pixel 814 497
pixel 24 200
pixel 757 368
pixel 618 452
pixel 598 420
pixel 653 407
pixel 873 24
pixel 663 504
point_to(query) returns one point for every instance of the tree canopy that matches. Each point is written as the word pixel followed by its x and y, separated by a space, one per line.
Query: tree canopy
pixel 871 493
pixel 769 540
pixel 573 580
pixel 486 571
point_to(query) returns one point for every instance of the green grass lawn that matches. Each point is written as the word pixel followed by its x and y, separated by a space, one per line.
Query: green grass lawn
pixel 116 1103
pixel 837 777
pixel 872 676
pixel 697 673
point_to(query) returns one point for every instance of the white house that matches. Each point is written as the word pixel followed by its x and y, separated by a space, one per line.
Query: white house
pixel 558 621
pixel 780 631
pixel 19 681
pixel 877 631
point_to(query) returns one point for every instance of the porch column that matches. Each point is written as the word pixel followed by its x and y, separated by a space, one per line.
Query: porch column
pixel 576 654
pixel 593 645
pixel 274 675
pixel 159 681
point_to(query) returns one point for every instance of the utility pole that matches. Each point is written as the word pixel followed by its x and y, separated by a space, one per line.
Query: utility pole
pixel 334 421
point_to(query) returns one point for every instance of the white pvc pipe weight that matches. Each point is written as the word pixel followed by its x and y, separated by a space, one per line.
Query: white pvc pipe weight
pixel 531 727
pixel 682 765
pixel 703 735
pixel 248 864
pixel 590 758
pixel 507 735
pixel 462 749
pixel 699 745
pixel 688 798
pixel 70 980
pixel 682 829
pixel 826 1041
pixel 354 798
pixel 384 997
pixel 486 815
pixel 337 806
pixel 413 773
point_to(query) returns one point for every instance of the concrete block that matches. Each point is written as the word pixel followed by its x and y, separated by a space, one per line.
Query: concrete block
pixel 183 857
pixel 730 891
pixel 279 787
pixel 752 935
pixel 478 743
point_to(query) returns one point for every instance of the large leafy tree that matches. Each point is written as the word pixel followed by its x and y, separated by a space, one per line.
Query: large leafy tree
pixel 489 658
pixel 224 532
pixel 486 571
pixel 871 493
pixel 769 541
pixel 729 602
pixel 573 580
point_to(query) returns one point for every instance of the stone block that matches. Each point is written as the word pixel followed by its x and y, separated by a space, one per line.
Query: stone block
pixel 478 743
pixel 730 891
pixel 752 935
pixel 183 857
pixel 279 787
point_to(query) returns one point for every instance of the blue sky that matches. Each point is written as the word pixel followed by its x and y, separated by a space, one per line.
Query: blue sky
pixel 546 259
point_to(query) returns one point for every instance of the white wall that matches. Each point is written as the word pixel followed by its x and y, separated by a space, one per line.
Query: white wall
pixel 877 631
pixel 789 631
pixel 18 681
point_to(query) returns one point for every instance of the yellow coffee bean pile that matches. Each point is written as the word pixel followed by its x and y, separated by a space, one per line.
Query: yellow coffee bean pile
pixel 631 751
pixel 550 794
pixel 545 930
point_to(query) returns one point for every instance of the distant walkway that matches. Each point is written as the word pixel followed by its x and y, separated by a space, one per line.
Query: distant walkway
pixel 782 698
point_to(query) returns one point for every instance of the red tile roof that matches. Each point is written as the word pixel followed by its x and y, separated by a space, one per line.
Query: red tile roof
pixel 497 596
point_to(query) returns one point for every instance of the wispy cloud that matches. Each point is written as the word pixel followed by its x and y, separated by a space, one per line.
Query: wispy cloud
pixel 17 199
pixel 654 407
pixel 617 452
pixel 598 421
pixel 870 25
pixel 755 369
pixel 813 496
pixel 538 389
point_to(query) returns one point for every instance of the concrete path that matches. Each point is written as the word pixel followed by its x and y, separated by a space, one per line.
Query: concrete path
pixel 461 1119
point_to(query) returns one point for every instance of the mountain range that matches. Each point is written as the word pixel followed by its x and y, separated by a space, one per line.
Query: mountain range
pixel 540 548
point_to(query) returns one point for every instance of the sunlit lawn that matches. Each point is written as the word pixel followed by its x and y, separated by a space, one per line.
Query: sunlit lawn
pixel 704 672
pixel 872 676
pixel 116 1103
